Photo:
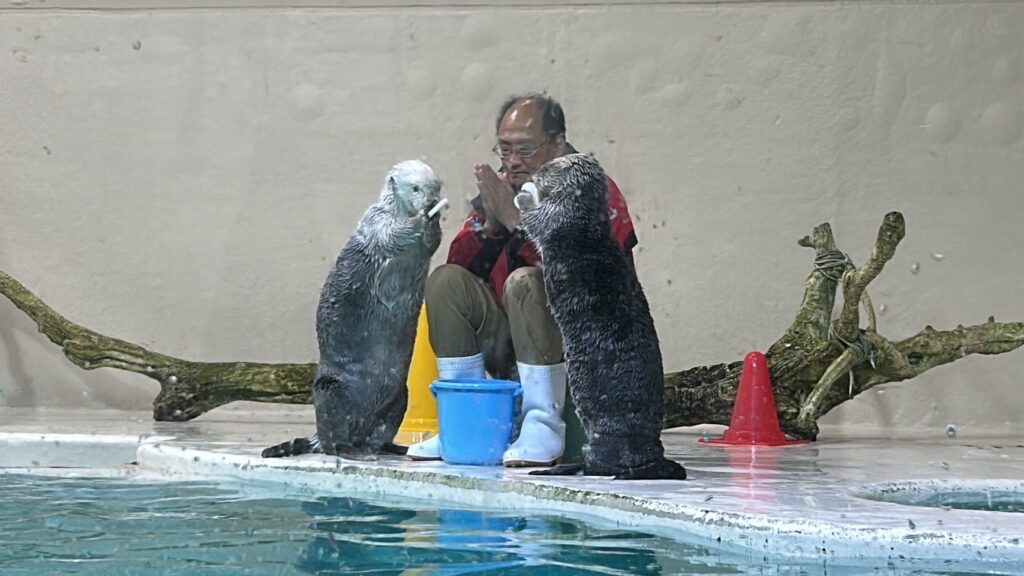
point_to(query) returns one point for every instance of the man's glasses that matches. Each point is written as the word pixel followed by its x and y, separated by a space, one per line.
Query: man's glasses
pixel 505 151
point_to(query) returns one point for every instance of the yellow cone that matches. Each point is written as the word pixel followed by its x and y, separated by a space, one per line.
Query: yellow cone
pixel 421 416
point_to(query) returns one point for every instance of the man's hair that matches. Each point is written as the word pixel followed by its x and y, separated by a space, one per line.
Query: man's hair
pixel 552 117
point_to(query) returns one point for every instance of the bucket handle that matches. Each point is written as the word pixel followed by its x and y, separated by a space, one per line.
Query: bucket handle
pixel 517 394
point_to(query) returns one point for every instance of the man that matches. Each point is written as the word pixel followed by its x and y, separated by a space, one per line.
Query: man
pixel 486 308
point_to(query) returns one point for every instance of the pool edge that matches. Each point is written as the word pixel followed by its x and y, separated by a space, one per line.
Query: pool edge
pixel 751 532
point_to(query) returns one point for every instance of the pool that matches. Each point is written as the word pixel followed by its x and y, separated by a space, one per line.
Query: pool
pixel 990 496
pixel 802 510
pixel 101 525
pixel 84 525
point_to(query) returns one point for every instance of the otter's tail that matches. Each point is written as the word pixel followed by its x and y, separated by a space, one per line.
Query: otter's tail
pixel 560 470
pixel 294 447
pixel 663 469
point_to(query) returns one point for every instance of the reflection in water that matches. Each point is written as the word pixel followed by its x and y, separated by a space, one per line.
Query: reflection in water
pixel 97 527
pixel 753 469
pixel 351 535
pixel 755 473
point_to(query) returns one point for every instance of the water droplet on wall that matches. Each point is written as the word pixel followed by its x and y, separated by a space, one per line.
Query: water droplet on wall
pixel 729 97
pixel 1002 124
pixel 1006 71
pixel 941 123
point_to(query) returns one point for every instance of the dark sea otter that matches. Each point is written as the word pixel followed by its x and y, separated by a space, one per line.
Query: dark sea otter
pixel 611 347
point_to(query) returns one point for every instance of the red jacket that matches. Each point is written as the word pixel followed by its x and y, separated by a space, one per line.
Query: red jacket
pixel 493 258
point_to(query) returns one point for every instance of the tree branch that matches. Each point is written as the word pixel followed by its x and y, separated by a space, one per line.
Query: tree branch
pixel 931 348
pixel 811 409
pixel 187 389
pixel 804 362
pixel 855 282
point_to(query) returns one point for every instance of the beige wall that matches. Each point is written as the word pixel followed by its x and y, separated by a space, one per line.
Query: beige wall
pixel 183 178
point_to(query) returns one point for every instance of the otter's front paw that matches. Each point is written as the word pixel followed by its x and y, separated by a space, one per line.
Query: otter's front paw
pixel 528 198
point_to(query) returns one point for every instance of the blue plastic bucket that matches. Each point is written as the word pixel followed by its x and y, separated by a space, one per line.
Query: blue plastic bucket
pixel 475 417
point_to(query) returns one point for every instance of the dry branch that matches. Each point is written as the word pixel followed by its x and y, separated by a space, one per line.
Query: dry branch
pixel 811 356
pixel 187 389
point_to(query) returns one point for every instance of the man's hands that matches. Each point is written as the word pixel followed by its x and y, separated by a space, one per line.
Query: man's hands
pixel 497 195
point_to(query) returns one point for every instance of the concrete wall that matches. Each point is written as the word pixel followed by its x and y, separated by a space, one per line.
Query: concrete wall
pixel 183 178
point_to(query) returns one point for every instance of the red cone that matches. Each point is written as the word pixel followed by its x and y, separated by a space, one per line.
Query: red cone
pixel 755 421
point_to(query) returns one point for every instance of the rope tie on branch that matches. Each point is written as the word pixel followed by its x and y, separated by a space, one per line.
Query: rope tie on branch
pixel 861 346
pixel 825 262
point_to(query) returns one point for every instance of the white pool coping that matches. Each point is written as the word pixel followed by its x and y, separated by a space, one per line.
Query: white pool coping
pixel 795 502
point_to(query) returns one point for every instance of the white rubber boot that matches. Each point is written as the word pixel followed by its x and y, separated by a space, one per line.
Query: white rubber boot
pixel 447 368
pixel 542 436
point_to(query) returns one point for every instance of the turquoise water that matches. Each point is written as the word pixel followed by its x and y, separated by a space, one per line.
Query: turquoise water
pixel 990 500
pixel 98 526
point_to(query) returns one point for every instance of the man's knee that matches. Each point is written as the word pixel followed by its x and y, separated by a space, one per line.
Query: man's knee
pixel 447 281
pixel 523 282
pixel 535 334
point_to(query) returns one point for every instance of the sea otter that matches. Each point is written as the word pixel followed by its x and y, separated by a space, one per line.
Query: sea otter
pixel 611 347
pixel 367 317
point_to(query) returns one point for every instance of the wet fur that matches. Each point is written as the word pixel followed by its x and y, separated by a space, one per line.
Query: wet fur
pixel 613 359
pixel 366 321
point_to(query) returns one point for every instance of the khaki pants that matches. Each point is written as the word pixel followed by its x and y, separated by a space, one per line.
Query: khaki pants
pixel 465 320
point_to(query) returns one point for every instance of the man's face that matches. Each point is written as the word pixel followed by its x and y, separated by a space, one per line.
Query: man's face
pixel 521 134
